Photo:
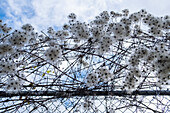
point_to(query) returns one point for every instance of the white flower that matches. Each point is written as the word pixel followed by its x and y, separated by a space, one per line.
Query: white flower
pixel 91 79
pixel 53 54
pixel 18 38
pixel 72 16
pixel 7 67
pixel 13 85
pixel 5 49
pixel 27 27
pixel 104 74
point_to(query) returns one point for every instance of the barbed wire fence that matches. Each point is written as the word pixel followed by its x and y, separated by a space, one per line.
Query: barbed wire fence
pixel 116 63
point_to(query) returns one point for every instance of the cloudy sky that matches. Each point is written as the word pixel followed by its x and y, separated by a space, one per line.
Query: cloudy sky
pixel 44 13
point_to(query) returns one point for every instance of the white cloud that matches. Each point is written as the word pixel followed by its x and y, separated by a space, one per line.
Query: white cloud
pixel 54 12
pixel 156 7
pixel 44 13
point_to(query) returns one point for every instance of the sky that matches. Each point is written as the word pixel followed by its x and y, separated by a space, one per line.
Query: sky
pixel 45 13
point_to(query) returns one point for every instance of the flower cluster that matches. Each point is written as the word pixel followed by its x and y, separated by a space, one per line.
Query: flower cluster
pixel 8 72
pixel 79 30
pixel 161 63
pixel 121 30
pixel 51 31
pixel 149 60
pixel 136 17
pixel 104 26
pixel 62 34
pixel 18 38
pixel 102 19
pixel 97 33
pixel 87 105
pixel 131 79
pixel 5 49
pixel 125 12
pixel 59 35
pixel 104 74
pixel 104 45
pixel 7 67
pixel 98 38
pixel 72 16
pixel 92 79
pixel 13 85
pixel 28 27
pixel 100 75
pixel 4 27
pixel 157 24
pixel 53 54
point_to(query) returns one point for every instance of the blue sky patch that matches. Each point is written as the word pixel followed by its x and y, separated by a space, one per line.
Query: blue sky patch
pixel 28 11
pixel 2 11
